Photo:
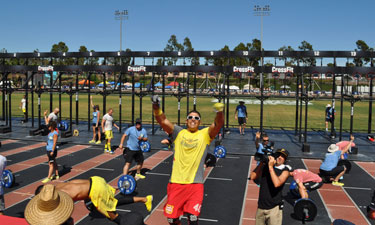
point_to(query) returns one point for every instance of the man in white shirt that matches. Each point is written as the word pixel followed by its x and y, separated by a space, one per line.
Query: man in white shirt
pixel 23 108
pixel 107 122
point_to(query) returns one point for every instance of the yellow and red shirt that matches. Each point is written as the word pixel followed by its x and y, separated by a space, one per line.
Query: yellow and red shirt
pixel 190 150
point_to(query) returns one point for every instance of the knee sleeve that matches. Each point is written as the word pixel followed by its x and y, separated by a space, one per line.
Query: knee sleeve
pixel 175 221
pixel 192 219
pixel 124 200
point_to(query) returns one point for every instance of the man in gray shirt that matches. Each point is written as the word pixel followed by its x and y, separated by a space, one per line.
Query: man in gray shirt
pixel 52 116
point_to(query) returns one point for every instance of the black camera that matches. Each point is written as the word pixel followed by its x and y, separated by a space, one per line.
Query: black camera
pixel 266 151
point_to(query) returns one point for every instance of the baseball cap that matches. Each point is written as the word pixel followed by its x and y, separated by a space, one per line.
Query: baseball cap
pixel 138 120
pixel 282 151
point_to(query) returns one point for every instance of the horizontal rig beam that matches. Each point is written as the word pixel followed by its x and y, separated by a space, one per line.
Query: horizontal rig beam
pixel 197 69
pixel 229 54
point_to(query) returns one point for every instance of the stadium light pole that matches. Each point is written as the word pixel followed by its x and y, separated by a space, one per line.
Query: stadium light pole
pixel 121 15
pixel 261 11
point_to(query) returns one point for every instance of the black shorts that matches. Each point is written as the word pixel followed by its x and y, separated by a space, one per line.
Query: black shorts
pixel 241 120
pixel 129 155
pixel 311 186
pixel 94 125
pixel 53 157
pixel 329 120
pixel 333 173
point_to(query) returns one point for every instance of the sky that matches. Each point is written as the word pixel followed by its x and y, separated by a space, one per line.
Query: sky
pixel 210 24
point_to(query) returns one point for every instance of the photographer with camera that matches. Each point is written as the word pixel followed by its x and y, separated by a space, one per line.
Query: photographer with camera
pixel 272 174
pixel 262 148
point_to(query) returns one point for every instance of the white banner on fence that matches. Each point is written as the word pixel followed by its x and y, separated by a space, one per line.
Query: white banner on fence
pixel 266 102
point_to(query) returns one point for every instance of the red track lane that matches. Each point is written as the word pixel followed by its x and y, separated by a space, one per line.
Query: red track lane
pixel 157 215
pixel 8 141
pixel 338 203
pixel 369 167
pixel 250 205
pixel 21 194
pixel 22 149
pixel 43 158
pixel 80 210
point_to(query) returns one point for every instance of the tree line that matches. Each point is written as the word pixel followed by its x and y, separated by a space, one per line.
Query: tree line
pixel 174 45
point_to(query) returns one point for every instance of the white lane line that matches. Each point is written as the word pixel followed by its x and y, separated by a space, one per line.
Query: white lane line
pixel 123 210
pixel 218 178
pixel 347 206
pixel 245 194
pixel 232 157
pixel 358 188
pixel 203 219
pixel 245 218
pixel 159 174
pixel 99 168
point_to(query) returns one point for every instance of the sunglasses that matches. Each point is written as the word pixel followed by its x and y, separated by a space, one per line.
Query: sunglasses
pixel 193 117
pixel 265 140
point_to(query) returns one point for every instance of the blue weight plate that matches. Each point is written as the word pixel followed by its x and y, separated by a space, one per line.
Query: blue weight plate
pixel 126 184
pixel 220 151
pixel 8 179
pixel 145 146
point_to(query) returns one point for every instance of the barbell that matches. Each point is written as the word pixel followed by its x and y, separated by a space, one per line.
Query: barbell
pixel 304 208
pixel 8 179
pixel 220 151
pixel 126 184
pixel 145 146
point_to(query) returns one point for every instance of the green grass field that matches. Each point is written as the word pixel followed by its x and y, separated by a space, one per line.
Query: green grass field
pixel 276 116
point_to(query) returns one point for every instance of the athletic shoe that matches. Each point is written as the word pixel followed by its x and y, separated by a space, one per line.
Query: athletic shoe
pixel 48 179
pixel 92 141
pixel 98 142
pixel 111 152
pixel 341 178
pixel 327 129
pixel 56 177
pixel 336 183
pixel 148 203
pixel 106 151
pixel 139 176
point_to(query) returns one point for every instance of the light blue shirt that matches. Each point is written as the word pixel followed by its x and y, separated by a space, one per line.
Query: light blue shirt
pixel 133 134
pixel 241 110
pixel 50 141
pixel 95 116
pixel 330 161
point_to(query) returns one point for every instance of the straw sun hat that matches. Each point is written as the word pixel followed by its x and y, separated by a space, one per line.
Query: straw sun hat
pixel 49 207
pixel 332 148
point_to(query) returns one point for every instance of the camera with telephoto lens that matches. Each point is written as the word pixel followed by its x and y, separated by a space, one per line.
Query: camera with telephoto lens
pixel 266 151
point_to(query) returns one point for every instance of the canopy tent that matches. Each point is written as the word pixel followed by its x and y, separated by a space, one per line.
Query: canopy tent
pixel 158 84
pixel 101 84
pixel 234 87
pixel 285 87
pixel 128 84
pixel 85 82
pixel 173 83
pixel 168 87
pixel 247 86
pixel 137 85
